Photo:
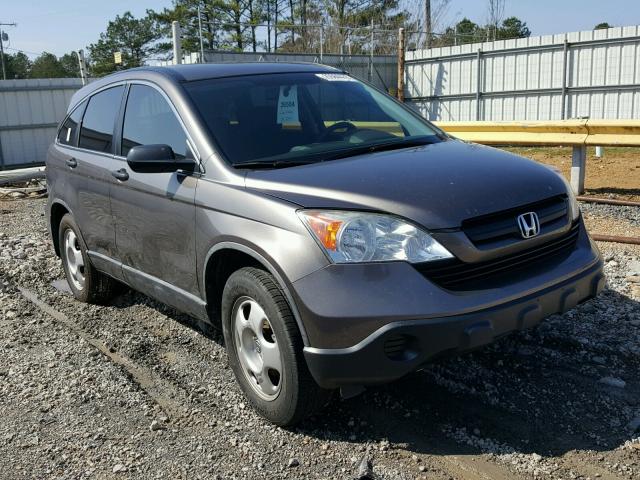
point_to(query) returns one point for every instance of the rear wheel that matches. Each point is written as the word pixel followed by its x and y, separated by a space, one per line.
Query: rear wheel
pixel 265 349
pixel 87 284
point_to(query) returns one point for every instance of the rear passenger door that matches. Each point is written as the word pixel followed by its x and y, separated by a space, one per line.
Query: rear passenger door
pixel 89 159
pixel 155 212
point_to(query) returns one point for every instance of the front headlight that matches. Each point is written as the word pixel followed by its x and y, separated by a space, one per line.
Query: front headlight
pixel 352 237
pixel 573 202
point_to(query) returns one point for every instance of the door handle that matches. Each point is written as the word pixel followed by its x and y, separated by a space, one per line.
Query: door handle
pixel 121 174
pixel 71 162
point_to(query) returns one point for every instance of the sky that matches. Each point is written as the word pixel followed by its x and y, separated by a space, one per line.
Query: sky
pixel 62 26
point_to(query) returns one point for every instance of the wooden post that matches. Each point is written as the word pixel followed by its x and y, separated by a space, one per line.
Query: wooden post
pixel 401 65
pixel 427 23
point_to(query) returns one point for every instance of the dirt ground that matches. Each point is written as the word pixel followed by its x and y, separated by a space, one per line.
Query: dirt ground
pixel 616 174
pixel 133 390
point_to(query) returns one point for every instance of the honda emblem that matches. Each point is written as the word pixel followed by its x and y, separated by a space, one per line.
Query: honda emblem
pixel 529 224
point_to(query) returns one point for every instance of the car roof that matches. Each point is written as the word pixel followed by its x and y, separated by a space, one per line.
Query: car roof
pixel 203 71
pixel 193 72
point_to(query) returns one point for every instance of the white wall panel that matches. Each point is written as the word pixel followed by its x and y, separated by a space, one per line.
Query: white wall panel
pixel 602 77
pixel 29 113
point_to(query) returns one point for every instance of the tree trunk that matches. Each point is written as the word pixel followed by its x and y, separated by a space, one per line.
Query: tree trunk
pixel 303 21
pixel 293 30
pixel 275 32
pixel 268 26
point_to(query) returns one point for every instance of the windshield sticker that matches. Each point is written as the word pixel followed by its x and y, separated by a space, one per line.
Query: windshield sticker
pixel 335 77
pixel 288 105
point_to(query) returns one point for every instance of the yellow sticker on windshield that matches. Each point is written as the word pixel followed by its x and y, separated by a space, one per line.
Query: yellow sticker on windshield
pixel 288 105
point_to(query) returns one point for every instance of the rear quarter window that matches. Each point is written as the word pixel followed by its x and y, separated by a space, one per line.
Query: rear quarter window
pixel 68 133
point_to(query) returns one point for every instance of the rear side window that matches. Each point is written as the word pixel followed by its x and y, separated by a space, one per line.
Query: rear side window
pixel 68 134
pixel 99 119
pixel 149 120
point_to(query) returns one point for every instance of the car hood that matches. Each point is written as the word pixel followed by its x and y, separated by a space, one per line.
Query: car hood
pixel 437 186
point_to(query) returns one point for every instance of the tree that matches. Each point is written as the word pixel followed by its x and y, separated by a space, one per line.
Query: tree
pixel 135 37
pixel 47 65
pixel 70 65
pixel 291 25
pixel 496 14
pixel 185 12
pixel 17 65
pixel 465 31
pixel 602 26
pixel 513 27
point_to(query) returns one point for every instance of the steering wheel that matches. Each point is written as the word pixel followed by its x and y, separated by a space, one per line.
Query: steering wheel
pixel 348 127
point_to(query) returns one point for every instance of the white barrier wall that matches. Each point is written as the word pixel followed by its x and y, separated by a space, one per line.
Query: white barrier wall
pixel 29 114
pixel 592 74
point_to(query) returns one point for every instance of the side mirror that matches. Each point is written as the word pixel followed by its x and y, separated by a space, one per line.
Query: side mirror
pixel 157 159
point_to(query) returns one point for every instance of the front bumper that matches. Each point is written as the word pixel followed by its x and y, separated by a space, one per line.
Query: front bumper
pixel 387 346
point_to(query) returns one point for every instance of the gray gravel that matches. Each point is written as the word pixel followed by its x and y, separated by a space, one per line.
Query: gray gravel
pixel 631 215
pixel 134 390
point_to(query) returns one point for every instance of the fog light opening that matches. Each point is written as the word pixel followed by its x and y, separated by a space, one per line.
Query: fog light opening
pixel 401 348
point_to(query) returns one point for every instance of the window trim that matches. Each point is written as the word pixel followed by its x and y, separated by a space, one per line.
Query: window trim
pixel 113 132
pixel 83 105
pixel 88 98
pixel 120 123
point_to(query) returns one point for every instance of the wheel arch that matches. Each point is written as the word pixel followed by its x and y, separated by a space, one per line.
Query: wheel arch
pixel 225 258
pixel 58 210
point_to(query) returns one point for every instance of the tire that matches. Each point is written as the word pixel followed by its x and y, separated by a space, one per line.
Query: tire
pixel 86 283
pixel 284 399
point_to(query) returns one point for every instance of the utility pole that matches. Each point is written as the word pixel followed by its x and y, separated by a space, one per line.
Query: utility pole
pixel 427 23
pixel 371 54
pixel 200 35
pixel 4 71
pixel 177 43
pixel 400 92
pixel 83 66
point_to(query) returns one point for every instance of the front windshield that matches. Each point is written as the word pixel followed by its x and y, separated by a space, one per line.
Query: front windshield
pixel 302 117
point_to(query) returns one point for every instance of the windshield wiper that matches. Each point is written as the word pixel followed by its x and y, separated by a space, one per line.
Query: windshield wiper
pixel 255 164
pixel 336 155
pixel 381 147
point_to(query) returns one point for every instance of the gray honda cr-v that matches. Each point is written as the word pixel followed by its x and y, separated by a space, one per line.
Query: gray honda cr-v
pixel 337 238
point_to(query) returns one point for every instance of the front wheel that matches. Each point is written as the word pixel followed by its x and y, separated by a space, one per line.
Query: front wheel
pixel 265 349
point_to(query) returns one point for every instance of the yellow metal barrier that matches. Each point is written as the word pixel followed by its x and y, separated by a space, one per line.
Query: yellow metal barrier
pixel 575 133
pixel 570 132
pixel 613 133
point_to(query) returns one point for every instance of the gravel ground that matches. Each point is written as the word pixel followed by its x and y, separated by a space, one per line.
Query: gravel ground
pixel 133 390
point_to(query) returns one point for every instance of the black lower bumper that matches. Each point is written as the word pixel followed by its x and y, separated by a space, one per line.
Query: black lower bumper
pixel 400 347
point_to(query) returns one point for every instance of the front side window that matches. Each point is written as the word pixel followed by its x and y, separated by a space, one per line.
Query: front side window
pixel 68 134
pixel 149 120
pixel 99 119
pixel 302 117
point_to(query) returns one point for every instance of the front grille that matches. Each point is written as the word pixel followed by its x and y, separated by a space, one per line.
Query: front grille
pixel 501 229
pixel 458 275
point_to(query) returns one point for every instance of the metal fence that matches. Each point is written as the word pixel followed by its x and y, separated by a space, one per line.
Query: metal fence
pixel 381 70
pixel 29 114
pixel 592 74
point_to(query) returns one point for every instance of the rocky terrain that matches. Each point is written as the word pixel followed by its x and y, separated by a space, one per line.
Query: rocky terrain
pixel 134 390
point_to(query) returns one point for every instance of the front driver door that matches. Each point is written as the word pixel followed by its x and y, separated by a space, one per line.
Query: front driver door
pixel 155 212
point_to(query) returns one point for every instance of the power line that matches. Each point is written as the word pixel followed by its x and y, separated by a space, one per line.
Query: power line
pixel 21 50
